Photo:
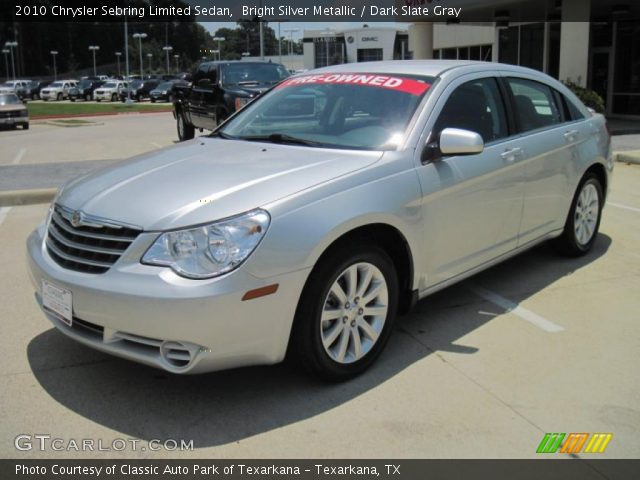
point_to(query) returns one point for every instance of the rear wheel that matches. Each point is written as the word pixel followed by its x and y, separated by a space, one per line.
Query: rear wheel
pixel 583 221
pixel 25 126
pixel 185 131
pixel 346 313
pixel 114 97
pixel 87 97
pixel 59 97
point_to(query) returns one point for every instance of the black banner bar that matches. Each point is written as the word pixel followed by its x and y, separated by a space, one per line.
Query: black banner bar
pixel 448 11
pixel 543 469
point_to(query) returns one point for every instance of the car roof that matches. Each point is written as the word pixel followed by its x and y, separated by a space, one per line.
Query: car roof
pixel 431 68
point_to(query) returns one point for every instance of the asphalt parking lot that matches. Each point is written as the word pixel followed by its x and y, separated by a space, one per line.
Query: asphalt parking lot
pixel 483 369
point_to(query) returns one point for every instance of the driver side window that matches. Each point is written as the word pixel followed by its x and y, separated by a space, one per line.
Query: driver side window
pixel 476 106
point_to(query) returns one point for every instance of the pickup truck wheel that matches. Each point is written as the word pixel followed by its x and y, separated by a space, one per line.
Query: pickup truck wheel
pixel 87 97
pixel 98 100
pixel 114 97
pixel 72 99
pixel 25 126
pixel 346 312
pixel 185 131
pixel 153 100
pixel 59 97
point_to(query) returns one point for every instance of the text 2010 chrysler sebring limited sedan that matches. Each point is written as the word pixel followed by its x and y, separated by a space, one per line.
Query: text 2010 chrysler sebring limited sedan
pixel 316 213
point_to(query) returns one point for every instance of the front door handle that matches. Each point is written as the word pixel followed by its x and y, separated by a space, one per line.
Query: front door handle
pixel 511 154
pixel 571 135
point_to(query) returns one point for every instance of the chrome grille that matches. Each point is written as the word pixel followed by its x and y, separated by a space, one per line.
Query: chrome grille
pixel 90 248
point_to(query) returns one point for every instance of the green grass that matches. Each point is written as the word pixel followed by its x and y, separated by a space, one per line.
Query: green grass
pixel 58 108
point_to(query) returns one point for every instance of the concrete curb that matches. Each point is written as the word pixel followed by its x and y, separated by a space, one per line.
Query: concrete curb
pixel 13 198
pixel 632 157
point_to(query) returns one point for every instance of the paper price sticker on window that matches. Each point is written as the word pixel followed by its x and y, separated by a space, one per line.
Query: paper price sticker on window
pixel 401 84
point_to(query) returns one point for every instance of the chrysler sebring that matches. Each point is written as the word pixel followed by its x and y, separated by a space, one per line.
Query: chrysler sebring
pixel 308 220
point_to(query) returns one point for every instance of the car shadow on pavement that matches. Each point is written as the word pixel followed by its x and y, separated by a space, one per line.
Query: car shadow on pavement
pixel 225 407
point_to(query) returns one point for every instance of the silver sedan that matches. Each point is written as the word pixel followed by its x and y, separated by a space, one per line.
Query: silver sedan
pixel 307 221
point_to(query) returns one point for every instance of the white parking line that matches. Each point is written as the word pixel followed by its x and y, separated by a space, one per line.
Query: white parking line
pixel 157 145
pixel 18 158
pixel 4 211
pixel 624 207
pixel 511 307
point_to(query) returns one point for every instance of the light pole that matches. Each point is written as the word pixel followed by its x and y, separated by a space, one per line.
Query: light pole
pixel 118 55
pixel 149 56
pixel 167 50
pixel 6 61
pixel 94 49
pixel 11 46
pixel 219 39
pixel 290 49
pixel 140 36
pixel 55 70
pixel 177 57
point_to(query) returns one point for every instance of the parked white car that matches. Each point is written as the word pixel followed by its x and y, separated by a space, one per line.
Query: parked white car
pixel 19 87
pixel 57 90
pixel 109 91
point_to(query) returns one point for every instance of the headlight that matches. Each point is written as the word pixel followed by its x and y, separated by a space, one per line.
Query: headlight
pixel 209 250
pixel 241 102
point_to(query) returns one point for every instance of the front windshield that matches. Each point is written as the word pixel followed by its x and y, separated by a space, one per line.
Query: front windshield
pixel 165 86
pixel 55 84
pixel 358 111
pixel 109 85
pixel 9 99
pixel 246 73
pixel 85 83
pixel 9 84
pixel 136 84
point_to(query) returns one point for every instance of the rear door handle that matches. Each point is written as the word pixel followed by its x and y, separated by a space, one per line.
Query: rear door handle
pixel 571 135
pixel 511 154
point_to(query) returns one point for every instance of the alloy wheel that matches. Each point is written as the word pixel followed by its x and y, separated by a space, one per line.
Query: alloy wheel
pixel 586 214
pixel 354 313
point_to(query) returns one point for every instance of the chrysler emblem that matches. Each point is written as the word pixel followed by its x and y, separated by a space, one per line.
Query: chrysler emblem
pixel 76 219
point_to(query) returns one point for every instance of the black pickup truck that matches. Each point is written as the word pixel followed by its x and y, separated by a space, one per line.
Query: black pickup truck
pixel 217 89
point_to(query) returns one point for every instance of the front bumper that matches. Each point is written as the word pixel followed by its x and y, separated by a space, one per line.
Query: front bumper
pixel 50 95
pixel 105 96
pixel 14 121
pixel 151 315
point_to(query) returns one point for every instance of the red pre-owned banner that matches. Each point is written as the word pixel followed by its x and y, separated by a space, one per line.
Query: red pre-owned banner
pixel 402 84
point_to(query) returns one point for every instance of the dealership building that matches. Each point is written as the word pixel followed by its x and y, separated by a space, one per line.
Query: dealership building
pixel 602 52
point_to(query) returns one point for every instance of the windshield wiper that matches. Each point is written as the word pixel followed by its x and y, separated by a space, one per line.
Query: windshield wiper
pixel 249 82
pixel 226 136
pixel 281 138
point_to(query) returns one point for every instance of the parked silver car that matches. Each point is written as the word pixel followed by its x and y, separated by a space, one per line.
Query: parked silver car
pixel 314 215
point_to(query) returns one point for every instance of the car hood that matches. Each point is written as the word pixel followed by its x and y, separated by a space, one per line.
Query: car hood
pixel 12 108
pixel 204 180
pixel 248 90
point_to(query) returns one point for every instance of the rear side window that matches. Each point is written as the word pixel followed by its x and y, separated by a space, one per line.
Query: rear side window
pixel 535 104
pixel 476 106
pixel 572 112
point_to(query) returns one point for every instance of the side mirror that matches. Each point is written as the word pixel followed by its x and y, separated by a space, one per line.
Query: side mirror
pixel 453 142
pixel 204 81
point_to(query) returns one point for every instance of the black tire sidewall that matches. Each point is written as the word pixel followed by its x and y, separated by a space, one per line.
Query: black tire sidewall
pixel 307 338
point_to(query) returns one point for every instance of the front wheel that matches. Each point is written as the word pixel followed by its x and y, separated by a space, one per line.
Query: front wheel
pixel 346 313
pixel 185 131
pixel 114 98
pixel 59 97
pixel 583 221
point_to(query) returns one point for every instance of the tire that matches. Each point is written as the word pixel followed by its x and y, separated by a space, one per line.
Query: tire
pixel 153 100
pixel 347 341
pixel 98 100
pixel 72 99
pixel 25 126
pixel 583 222
pixel 87 98
pixel 185 131
pixel 59 97
pixel 114 98
pixel 45 99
